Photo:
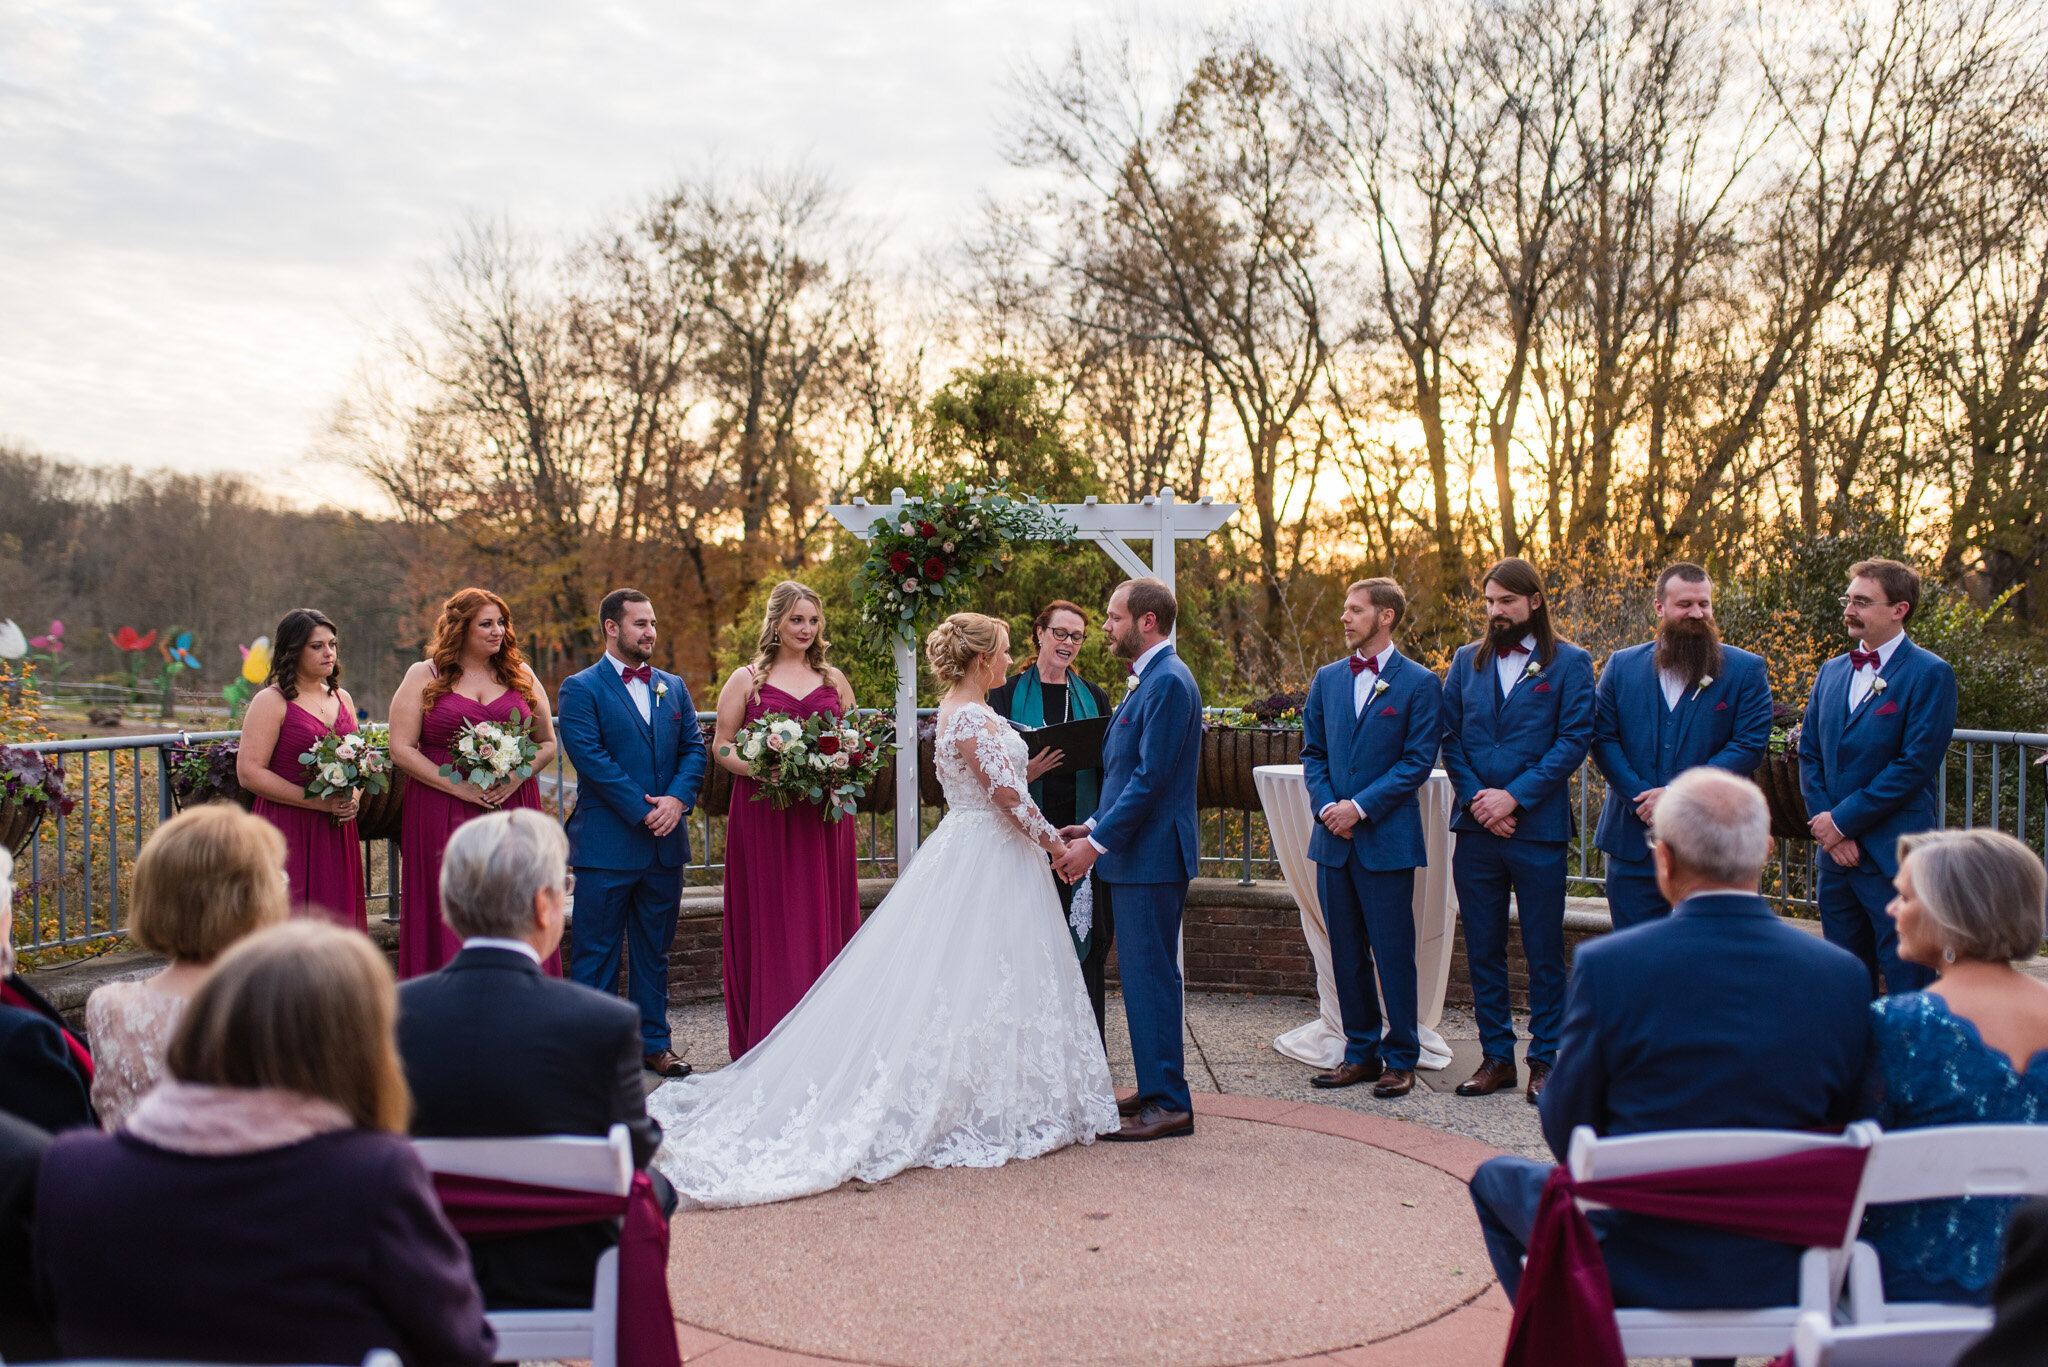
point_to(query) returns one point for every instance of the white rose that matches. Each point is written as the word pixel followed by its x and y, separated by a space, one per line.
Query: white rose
pixel 818 761
pixel 467 745
pixel 752 749
pixel 334 776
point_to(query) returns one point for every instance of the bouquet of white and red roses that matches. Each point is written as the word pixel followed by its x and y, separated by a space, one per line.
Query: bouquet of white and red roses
pixel 360 760
pixel 823 759
pixel 488 753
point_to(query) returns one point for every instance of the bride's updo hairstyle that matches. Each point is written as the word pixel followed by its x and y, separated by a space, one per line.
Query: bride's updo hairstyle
pixel 956 643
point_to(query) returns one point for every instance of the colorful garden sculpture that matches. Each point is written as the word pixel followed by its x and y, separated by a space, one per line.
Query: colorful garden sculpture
pixel 132 644
pixel 255 673
pixel 178 658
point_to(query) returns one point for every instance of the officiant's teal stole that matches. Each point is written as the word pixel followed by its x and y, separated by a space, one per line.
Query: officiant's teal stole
pixel 1027 705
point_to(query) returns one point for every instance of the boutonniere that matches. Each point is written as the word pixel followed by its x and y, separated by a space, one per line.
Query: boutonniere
pixel 1533 669
pixel 1379 687
pixel 660 689
pixel 1878 684
pixel 1706 682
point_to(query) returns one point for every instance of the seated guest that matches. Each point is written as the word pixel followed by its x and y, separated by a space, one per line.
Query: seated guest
pixel 205 879
pixel 1719 1016
pixel 492 1046
pixel 1968 1050
pixel 262 1204
pixel 24 1333
pixel 2020 1324
pixel 45 1073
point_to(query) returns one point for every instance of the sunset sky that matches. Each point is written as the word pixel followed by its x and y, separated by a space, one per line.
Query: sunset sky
pixel 212 209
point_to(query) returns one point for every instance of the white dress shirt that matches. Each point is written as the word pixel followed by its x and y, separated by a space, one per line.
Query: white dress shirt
pixel 493 942
pixel 1673 684
pixel 1509 664
pixel 1861 681
pixel 1137 673
pixel 643 697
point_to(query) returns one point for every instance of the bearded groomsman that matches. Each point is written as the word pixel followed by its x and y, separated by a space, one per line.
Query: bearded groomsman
pixel 1668 705
pixel 1517 719
pixel 1871 749
pixel 1370 735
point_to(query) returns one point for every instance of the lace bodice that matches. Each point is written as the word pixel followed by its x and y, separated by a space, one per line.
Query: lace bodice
pixel 130 1026
pixel 981 763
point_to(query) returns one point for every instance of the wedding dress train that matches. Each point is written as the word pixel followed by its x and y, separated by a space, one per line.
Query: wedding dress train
pixel 953 1031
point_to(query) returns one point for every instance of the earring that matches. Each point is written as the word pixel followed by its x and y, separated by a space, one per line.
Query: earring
pixel 1948 954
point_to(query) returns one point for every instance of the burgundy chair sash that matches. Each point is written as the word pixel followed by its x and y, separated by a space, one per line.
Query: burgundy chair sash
pixel 1564 1310
pixel 484 1208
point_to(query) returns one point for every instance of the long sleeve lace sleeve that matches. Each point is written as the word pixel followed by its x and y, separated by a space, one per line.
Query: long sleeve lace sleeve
pixel 979 743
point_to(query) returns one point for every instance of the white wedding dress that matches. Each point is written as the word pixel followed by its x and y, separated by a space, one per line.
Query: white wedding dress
pixel 953 1031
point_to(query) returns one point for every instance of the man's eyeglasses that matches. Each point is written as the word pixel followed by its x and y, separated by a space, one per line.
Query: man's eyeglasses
pixel 1061 634
pixel 1859 602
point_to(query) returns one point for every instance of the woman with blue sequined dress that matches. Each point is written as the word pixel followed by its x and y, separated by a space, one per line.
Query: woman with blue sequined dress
pixel 1971 1049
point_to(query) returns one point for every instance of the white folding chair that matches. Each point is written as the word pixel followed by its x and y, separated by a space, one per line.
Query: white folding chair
pixel 575 1163
pixel 1818 1343
pixel 1718 1333
pixel 1930 1164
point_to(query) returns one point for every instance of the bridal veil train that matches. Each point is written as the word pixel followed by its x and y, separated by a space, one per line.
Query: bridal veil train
pixel 953 1031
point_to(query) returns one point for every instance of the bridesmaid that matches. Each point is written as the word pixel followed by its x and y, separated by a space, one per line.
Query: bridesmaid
pixel 792 899
pixel 303 702
pixel 474 672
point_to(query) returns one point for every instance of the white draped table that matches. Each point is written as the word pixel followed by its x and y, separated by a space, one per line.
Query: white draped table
pixel 1320 1043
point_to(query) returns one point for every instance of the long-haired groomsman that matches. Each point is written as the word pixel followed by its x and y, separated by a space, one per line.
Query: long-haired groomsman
pixel 1517 718
pixel 1370 735
pixel 1873 741
pixel 1663 707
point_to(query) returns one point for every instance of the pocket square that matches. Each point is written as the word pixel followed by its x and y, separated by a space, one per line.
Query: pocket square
pixel 1391 711
pixel 1720 707
pixel 1123 721
pixel 1890 709
pixel 1542 688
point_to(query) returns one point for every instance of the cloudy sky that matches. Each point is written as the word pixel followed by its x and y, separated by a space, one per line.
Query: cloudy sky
pixel 209 210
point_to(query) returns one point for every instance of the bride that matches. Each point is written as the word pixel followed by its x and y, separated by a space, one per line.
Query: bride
pixel 953 1031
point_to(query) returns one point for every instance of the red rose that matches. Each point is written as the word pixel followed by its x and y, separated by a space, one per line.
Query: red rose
pixel 901 562
pixel 935 568
pixel 828 744
pixel 927 530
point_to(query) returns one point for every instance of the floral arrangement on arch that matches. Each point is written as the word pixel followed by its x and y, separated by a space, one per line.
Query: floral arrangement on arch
pixel 925 554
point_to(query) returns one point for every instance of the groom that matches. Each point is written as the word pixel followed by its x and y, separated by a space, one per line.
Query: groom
pixel 631 731
pixel 1143 834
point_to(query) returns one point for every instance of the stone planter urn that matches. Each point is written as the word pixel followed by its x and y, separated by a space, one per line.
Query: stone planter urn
pixel 1779 778
pixel 379 816
pixel 1228 757
pixel 18 822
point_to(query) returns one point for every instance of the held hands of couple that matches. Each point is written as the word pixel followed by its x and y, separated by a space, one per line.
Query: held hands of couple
pixel 665 816
pixel 1079 857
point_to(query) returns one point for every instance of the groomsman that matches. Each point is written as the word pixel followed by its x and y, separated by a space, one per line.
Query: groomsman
pixel 1517 719
pixel 1871 749
pixel 1370 734
pixel 1668 705
pixel 631 731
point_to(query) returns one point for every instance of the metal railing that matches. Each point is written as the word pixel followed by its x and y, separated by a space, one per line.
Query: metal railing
pixel 70 879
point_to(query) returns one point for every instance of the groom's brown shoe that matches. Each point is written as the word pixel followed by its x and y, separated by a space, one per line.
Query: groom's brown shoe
pixel 664 1063
pixel 1154 1122
pixel 1493 1074
pixel 1346 1075
pixel 1130 1105
pixel 1395 1082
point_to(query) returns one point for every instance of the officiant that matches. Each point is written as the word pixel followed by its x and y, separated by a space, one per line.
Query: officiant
pixel 1047 692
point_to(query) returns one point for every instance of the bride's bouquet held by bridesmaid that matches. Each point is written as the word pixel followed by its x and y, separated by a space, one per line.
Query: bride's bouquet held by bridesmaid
pixel 822 759
pixel 488 753
pixel 357 761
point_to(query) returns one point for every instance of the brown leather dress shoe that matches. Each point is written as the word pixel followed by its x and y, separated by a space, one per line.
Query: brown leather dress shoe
pixel 664 1063
pixel 1346 1075
pixel 1539 1073
pixel 1154 1122
pixel 1395 1082
pixel 1130 1105
pixel 1493 1074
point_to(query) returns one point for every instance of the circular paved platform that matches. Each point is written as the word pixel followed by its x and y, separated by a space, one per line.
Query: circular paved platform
pixel 1281 1232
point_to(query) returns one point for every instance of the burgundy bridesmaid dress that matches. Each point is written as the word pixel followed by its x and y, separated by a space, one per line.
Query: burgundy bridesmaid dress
pixel 792 896
pixel 325 864
pixel 429 818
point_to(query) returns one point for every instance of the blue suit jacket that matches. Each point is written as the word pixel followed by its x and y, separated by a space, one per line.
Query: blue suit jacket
pixel 1877 771
pixel 1531 748
pixel 1376 758
pixel 621 761
pixel 1145 819
pixel 1718 1016
pixel 1726 725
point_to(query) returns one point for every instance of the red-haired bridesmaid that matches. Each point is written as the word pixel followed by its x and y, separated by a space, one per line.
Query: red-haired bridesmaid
pixel 302 704
pixel 474 672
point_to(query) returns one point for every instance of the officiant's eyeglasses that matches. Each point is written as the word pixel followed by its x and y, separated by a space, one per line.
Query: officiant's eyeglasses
pixel 1062 634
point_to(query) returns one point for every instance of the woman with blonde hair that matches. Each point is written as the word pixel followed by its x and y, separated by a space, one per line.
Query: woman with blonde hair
pixel 205 879
pixel 792 897
pixel 263 1204
pixel 955 1030
pixel 474 672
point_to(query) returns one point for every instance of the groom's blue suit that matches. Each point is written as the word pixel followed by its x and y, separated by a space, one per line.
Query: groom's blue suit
pixel 628 880
pixel 1145 827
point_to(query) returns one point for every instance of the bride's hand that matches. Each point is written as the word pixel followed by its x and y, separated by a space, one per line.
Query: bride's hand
pixel 1058 851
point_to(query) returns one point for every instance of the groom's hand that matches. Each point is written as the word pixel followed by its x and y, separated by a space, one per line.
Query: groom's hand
pixel 1079 858
pixel 1073 832
pixel 667 812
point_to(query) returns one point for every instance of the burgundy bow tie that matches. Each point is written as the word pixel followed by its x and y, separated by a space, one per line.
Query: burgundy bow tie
pixel 1860 658
pixel 1359 664
pixel 644 673
pixel 1518 650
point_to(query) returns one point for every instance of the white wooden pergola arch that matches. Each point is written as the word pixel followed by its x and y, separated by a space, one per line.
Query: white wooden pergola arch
pixel 1161 518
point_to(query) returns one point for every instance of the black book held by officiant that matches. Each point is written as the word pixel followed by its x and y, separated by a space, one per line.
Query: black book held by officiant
pixel 1080 742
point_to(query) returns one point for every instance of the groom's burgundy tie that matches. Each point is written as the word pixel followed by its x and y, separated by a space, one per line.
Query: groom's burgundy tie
pixel 644 673
pixel 1860 658
pixel 1360 664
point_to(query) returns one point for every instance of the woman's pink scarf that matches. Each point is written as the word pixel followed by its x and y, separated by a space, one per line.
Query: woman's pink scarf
pixel 216 1122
